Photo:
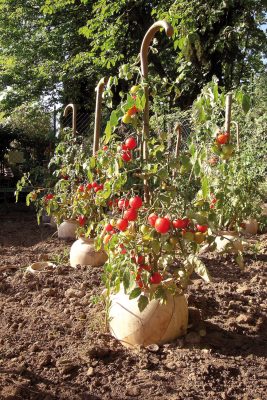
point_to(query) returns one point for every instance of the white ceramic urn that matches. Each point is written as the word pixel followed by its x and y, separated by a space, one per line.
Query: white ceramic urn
pixel 83 252
pixel 67 229
pixel 157 323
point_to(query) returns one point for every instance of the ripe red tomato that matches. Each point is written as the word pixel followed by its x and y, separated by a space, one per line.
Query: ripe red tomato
pixel 130 143
pixel 123 249
pixel 105 148
pixel 123 203
pixel 139 259
pixel 152 219
pixel 202 228
pixel 131 214
pixel 181 223
pixel 99 187
pixel 156 278
pixel 108 228
pixel 162 225
pixel 126 156
pixel 94 184
pixel 124 147
pixel 81 188
pixel 136 202
pixel 133 110
pixel 222 138
pixel 81 220
pixel 89 186
pixel 49 196
pixel 122 224
pixel 139 281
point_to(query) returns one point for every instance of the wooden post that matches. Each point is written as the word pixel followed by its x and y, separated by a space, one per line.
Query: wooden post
pixel 228 106
pixel 237 134
pixel 73 108
pixel 144 71
pixel 179 136
pixel 98 109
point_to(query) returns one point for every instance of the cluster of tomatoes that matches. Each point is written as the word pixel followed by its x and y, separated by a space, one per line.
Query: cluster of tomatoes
pixel 126 147
pixel 130 213
pixel 222 147
pixel 189 232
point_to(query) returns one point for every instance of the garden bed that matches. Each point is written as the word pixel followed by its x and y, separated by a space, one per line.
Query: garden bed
pixel 53 344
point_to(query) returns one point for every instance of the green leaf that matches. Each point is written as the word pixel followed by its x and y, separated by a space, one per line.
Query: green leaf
pixel 142 303
pixel 246 103
pixel 108 132
pixel 135 293
pixel 199 267
pixel 126 279
pixel 113 119
pixel 205 186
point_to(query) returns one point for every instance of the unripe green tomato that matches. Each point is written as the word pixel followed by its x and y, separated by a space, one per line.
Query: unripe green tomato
pixel 145 229
pixel 227 149
pixel 134 89
pixel 167 247
pixel 225 156
pixel 189 236
pixel 155 245
pixel 174 240
pixel 199 237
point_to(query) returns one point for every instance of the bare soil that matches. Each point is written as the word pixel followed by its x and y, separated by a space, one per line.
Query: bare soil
pixel 53 344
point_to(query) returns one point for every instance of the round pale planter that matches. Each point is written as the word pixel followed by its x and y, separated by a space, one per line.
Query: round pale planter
pixel 157 323
pixel 83 252
pixel 41 266
pixel 228 241
pixel 251 226
pixel 67 229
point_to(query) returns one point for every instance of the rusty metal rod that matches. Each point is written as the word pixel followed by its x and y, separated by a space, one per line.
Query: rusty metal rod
pixel 98 109
pixel 72 107
pixel 144 71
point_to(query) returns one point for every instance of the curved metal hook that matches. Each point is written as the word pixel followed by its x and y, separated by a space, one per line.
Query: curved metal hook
pixel 144 70
pixel 72 107
pixel 98 109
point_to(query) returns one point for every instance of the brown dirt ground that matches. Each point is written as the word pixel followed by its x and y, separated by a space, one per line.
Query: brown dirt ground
pixel 53 345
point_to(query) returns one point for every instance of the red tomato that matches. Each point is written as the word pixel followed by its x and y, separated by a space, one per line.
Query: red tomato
pixel 81 188
pixel 223 138
pixel 130 143
pixel 156 278
pixel 99 187
pixel 162 225
pixel 123 203
pixel 89 186
pixel 81 220
pixel 131 214
pixel 181 223
pixel 133 110
pixel 108 228
pixel 122 224
pixel 202 228
pixel 152 219
pixel 105 148
pixel 145 267
pixel 126 155
pixel 124 147
pixel 139 281
pixel 49 196
pixel 136 202
pixel 139 259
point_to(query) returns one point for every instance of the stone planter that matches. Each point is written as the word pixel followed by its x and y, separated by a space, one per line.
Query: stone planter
pixel 83 252
pixel 228 242
pixel 251 227
pixel 67 229
pixel 41 266
pixel 157 323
